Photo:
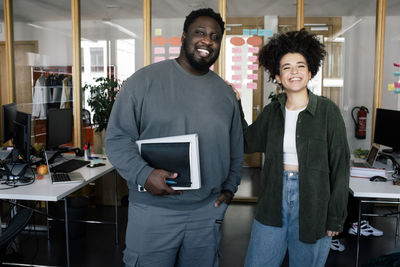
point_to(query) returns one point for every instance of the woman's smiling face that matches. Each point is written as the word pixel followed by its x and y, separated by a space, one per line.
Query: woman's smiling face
pixel 294 74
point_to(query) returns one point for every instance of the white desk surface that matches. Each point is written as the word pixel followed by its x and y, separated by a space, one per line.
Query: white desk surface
pixel 363 187
pixel 44 190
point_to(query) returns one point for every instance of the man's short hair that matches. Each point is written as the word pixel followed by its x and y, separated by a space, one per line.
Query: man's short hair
pixel 203 12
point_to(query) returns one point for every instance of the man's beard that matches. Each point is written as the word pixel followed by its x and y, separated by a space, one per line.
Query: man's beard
pixel 198 64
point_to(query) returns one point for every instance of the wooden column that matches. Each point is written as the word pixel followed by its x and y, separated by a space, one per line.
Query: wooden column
pixel 221 58
pixel 379 56
pixel 9 52
pixel 300 15
pixel 76 71
pixel 146 32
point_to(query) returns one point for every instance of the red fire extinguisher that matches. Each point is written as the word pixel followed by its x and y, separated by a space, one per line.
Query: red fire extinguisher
pixel 361 121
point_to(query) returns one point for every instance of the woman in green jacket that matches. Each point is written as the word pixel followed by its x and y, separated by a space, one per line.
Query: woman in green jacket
pixel 304 180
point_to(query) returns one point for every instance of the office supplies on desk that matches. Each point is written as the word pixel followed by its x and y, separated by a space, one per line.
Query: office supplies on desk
pixel 177 154
pixel 60 177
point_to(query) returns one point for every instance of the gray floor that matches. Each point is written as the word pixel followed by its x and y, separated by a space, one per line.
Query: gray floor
pixel 96 244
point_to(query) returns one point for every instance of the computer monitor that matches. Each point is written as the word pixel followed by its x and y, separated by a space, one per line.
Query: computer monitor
pixel 386 129
pixel 22 137
pixel 59 128
pixel 8 115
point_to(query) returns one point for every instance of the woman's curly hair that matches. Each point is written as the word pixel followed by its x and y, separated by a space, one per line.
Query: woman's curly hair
pixel 302 42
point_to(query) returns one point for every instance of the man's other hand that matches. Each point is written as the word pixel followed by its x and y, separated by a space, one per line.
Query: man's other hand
pixel 225 196
pixel 156 184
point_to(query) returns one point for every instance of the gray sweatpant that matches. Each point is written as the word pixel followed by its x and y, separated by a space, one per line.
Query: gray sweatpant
pixel 159 237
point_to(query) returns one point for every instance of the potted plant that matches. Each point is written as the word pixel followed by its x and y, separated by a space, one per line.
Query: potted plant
pixel 101 100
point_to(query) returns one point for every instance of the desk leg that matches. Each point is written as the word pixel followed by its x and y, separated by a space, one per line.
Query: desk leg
pixel 116 205
pixel 358 233
pixel 47 220
pixel 397 225
pixel 66 230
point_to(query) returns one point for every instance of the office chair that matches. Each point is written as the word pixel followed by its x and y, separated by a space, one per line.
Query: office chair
pixel 86 118
pixel 16 225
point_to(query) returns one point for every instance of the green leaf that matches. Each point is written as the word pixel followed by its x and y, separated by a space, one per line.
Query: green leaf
pixel 103 92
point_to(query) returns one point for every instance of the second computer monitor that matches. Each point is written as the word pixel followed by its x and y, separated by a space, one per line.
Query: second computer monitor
pixel 8 116
pixel 22 137
pixel 59 128
pixel 386 128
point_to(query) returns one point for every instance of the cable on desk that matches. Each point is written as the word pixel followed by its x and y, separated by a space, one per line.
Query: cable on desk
pixel 17 182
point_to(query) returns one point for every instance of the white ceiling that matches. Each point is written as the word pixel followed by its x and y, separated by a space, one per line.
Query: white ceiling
pixel 49 10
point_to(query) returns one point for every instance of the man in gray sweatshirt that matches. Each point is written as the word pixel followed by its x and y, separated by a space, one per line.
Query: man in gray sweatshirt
pixel 169 98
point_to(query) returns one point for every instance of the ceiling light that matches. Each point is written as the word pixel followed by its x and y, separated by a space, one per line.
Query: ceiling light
pixel 113 6
pixel 120 28
pixel 234 25
pixel 319 29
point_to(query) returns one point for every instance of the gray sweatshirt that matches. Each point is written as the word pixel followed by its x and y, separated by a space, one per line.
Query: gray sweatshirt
pixel 162 100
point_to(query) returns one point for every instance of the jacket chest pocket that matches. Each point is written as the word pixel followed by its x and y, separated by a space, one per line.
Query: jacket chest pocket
pixel 317 155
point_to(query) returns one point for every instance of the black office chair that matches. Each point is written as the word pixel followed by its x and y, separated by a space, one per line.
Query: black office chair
pixel 86 118
pixel 16 225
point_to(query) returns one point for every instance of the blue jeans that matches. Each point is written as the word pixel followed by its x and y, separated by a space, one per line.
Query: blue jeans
pixel 268 244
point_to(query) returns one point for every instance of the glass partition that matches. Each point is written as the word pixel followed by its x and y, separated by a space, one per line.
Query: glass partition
pixel 391 64
pixel 111 43
pixel 43 60
pixel 347 75
pixel 247 30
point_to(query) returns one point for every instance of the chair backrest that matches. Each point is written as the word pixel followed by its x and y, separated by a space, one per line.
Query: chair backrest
pixel 16 225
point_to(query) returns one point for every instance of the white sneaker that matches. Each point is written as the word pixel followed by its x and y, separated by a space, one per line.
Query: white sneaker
pixel 366 229
pixel 336 245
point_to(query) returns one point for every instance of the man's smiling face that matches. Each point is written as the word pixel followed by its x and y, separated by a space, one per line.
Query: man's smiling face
pixel 201 43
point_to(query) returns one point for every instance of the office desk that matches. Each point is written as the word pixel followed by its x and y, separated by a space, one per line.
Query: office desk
pixel 44 190
pixel 369 192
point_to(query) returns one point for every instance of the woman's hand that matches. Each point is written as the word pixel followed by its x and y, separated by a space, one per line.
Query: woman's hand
pixel 332 233
pixel 234 90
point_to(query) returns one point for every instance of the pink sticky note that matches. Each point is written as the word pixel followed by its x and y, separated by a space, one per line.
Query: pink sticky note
pixel 252 58
pixel 174 50
pixel 159 50
pixel 252 67
pixel 173 57
pixel 237 58
pixel 236 49
pixel 396 84
pixel 237 85
pixel 251 86
pixel 252 76
pixel 236 77
pixel 236 67
pixel 253 49
pixel 158 59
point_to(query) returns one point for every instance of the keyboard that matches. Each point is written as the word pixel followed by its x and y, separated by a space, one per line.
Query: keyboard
pixel 60 177
pixel 69 165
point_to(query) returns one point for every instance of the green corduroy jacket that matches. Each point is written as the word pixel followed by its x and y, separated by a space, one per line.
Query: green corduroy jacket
pixel 323 156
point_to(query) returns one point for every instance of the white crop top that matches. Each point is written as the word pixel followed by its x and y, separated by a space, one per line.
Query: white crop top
pixel 289 138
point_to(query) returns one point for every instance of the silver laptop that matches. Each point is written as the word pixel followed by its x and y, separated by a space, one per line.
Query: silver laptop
pixel 63 178
pixel 371 158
